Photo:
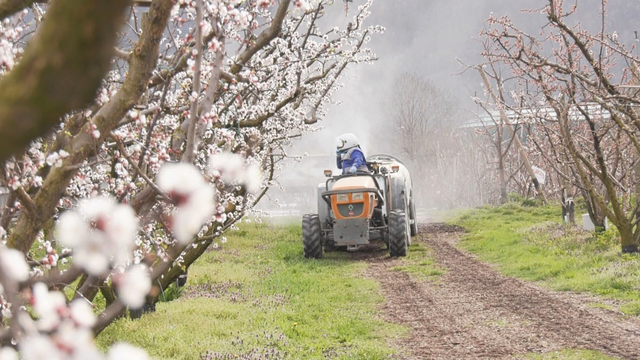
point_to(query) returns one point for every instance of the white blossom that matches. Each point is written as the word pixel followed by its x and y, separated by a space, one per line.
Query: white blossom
pixel 6 54
pixel 193 197
pixel 82 313
pixel 13 264
pixel 134 285
pixel 49 306
pixel 101 231
pixel 126 351
pixel 8 353
pixel 38 347
pixel 230 168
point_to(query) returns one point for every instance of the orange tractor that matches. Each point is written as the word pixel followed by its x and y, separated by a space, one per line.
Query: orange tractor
pixel 355 209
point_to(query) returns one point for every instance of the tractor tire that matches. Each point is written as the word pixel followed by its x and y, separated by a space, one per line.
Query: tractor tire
pixel 397 194
pixel 311 236
pixel 412 216
pixel 397 233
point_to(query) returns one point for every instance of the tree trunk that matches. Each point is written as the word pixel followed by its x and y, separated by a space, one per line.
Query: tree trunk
pixel 503 182
pixel 568 205
pixel 627 238
pixel 501 171
pixel 636 173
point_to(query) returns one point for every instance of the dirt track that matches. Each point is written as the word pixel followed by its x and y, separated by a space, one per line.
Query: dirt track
pixel 475 312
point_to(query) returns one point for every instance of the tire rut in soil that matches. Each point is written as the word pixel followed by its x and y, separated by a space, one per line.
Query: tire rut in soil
pixel 475 312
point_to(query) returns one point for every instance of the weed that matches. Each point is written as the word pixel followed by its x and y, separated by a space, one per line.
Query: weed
pixel 171 293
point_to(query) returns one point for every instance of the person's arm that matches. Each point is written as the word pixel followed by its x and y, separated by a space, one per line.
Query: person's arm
pixel 358 159
pixel 339 161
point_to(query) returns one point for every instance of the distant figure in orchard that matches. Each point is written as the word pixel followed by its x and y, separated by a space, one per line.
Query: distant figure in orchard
pixel 349 155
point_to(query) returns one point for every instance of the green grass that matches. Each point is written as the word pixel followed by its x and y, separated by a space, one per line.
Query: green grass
pixel 257 295
pixel 420 263
pixel 530 243
pixel 570 354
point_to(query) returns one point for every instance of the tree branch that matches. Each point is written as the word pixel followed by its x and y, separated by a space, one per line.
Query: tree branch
pixel 194 116
pixel 60 71
pixel 264 38
pixel 143 62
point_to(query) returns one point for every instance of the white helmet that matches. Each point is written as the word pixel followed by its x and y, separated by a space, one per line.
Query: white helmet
pixel 346 141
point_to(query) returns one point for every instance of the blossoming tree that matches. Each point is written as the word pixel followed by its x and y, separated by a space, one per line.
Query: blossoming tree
pixel 131 138
pixel 577 90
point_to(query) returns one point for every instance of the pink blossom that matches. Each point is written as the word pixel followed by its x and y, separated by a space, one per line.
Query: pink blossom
pixel 302 5
pixel 264 3
pixel 76 342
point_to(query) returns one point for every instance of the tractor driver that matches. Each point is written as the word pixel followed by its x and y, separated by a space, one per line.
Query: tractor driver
pixel 349 155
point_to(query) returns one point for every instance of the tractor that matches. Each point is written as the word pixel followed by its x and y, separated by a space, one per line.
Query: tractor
pixel 356 209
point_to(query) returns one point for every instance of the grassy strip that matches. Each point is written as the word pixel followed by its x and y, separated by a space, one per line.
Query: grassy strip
pixel 257 296
pixel 420 263
pixel 530 244
pixel 571 354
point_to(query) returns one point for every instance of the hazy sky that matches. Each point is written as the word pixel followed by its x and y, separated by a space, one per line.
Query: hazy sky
pixel 423 37
pixel 426 37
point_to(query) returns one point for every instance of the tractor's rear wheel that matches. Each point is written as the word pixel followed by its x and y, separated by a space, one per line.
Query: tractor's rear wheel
pixel 412 215
pixel 311 236
pixel 397 233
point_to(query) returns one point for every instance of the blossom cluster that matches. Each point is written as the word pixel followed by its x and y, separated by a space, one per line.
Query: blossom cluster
pixel 61 330
pixel 11 32
pixel 134 206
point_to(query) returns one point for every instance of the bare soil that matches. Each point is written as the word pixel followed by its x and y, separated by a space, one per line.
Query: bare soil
pixel 473 311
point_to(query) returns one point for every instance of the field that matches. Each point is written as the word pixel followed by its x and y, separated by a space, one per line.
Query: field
pixel 256 295
pixel 529 243
pixel 494 279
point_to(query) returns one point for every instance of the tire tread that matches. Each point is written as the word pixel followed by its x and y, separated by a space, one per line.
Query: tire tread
pixel 397 234
pixel 311 236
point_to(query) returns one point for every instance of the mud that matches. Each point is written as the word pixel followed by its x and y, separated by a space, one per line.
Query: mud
pixel 474 312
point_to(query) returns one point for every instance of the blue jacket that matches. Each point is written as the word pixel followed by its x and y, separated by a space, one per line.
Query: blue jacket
pixel 347 158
